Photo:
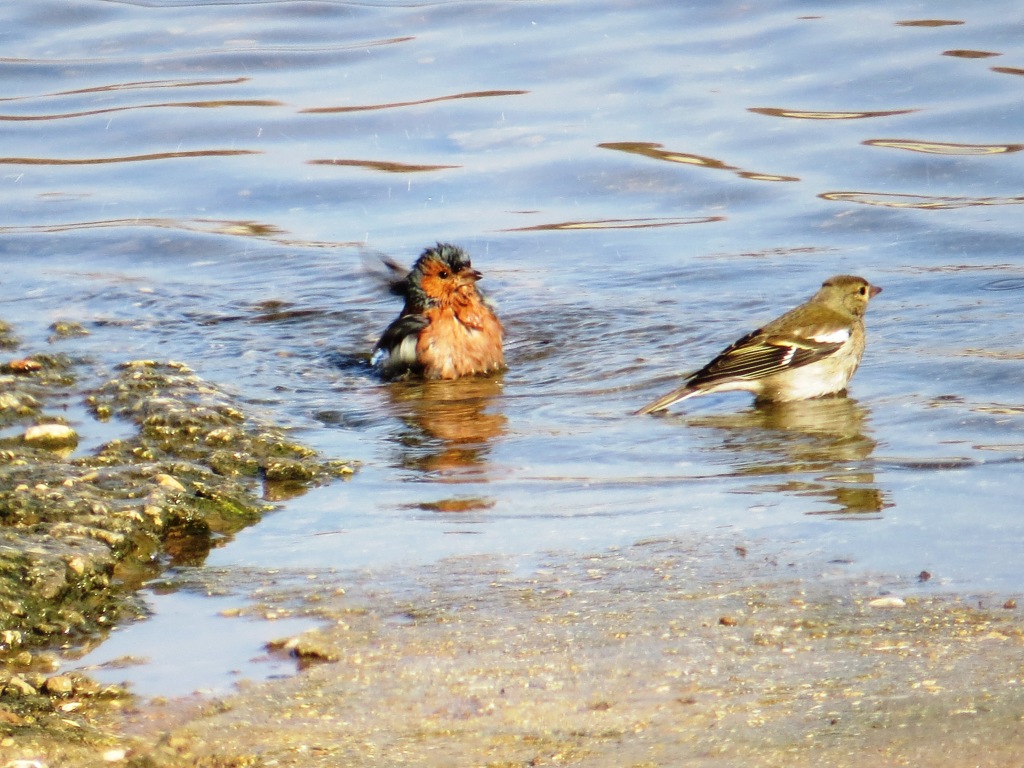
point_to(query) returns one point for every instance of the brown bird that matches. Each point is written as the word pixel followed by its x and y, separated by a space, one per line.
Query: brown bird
pixel 446 329
pixel 811 351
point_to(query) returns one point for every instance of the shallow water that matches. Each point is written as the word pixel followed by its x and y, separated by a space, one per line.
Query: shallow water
pixel 200 643
pixel 640 183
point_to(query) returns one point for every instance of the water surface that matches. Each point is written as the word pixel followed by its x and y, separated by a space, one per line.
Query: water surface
pixel 640 183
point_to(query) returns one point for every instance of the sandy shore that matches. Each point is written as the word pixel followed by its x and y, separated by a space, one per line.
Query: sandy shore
pixel 665 653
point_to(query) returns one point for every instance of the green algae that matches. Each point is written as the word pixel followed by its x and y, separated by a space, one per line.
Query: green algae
pixel 78 533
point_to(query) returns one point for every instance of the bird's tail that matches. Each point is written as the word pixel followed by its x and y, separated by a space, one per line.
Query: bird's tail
pixel 665 401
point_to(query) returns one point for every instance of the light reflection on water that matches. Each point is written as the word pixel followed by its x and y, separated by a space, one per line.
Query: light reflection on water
pixel 203 182
pixel 820 449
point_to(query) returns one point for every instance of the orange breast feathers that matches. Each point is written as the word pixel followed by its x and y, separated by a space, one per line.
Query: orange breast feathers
pixel 462 338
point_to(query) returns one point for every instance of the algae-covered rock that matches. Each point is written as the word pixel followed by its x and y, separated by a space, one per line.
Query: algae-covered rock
pixel 78 532
pixel 51 436
pixel 7 338
pixel 66 329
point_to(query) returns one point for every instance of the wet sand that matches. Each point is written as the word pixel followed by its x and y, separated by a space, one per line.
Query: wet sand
pixel 665 653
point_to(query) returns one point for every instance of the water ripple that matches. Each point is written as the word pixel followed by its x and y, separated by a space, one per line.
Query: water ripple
pixel 126 158
pixel 944 148
pixel 618 224
pixel 964 53
pixel 233 228
pixel 387 166
pixel 417 102
pixel 922 202
pixel 1006 284
pixel 653 150
pixel 929 23
pixel 164 105
pixel 224 51
pixel 799 114
pixel 134 85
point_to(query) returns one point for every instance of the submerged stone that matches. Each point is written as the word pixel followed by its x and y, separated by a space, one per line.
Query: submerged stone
pixel 51 436
pixel 64 329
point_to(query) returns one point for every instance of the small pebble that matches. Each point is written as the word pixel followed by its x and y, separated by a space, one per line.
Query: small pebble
pixel 59 685
pixel 65 329
pixel 23 366
pixel 170 483
pixel 51 435
pixel 887 602
pixel 20 687
pixel 22 659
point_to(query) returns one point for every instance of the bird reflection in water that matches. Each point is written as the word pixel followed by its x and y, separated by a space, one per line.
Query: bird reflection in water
pixel 451 426
pixel 811 448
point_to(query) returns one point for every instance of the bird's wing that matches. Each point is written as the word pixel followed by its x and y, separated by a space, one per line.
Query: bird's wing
pixel 763 353
pixel 386 272
pixel 397 346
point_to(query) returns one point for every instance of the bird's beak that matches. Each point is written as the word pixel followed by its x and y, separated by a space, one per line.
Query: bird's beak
pixel 873 291
pixel 470 275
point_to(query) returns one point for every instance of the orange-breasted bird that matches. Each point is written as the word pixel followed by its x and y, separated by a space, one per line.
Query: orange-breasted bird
pixel 811 351
pixel 446 329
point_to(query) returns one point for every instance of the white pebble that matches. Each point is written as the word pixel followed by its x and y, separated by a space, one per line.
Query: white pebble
pixel 52 434
pixel 887 602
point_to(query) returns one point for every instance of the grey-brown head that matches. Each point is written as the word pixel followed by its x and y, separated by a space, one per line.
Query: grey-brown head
pixel 848 292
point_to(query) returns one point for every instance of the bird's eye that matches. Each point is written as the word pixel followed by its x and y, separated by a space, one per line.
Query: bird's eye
pixel 443 274
pixel 863 290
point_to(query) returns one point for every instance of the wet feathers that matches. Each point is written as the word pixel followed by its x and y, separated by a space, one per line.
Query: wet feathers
pixel 446 329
